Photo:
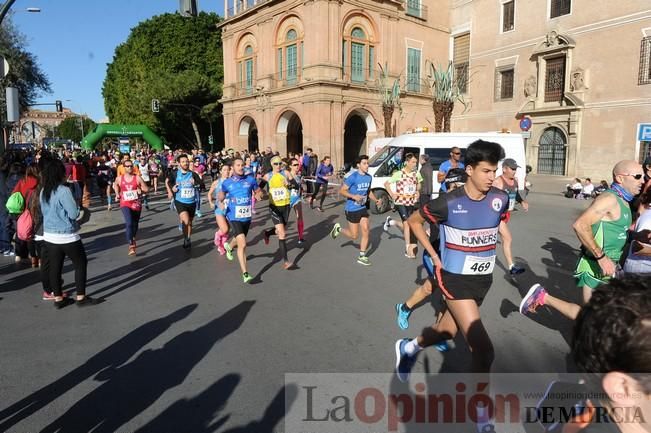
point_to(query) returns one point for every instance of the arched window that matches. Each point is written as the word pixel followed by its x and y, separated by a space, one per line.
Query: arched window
pixel 288 57
pixel 246 70
pixel 358 49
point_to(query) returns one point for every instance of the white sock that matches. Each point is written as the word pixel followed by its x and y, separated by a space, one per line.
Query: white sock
pixel 412 347
pixel 392 222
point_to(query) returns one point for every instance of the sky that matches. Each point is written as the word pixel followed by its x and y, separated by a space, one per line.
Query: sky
pixel 74 40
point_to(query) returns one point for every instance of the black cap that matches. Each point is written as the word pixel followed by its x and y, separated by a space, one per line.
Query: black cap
pixel 456 175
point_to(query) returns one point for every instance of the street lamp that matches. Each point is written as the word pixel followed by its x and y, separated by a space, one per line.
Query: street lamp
pixel 7 5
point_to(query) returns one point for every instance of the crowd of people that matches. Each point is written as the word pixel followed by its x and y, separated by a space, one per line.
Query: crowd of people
pixel 458 230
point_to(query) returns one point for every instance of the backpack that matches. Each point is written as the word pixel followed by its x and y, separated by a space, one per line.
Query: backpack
pixel 25 226
pixel 16 203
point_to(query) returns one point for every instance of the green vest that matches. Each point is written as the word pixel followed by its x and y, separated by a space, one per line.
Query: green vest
pixel 611 236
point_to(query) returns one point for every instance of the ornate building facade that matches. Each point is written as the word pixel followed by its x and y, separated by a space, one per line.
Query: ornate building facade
pixel 35 125
pixel 301 74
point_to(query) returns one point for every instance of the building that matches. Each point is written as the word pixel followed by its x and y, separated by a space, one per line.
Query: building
pixel 301 74
pixel 35 125
pixel 578 69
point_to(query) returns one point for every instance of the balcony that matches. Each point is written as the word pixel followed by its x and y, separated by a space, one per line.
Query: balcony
pixel 416 9
pixel 241 6
pixel 245 88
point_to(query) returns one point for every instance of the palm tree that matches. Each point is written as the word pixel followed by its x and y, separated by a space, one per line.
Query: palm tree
pixel 446 90
pixel 389 93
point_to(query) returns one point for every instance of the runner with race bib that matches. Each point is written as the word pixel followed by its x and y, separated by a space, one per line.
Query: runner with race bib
pixel 279 199
pixel 129 188
pixel 238 190
pixel 181 184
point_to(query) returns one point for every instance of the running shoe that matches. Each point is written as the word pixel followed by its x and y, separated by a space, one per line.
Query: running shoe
pixel 86 301
pixel 387 224
pixel 515 270
pixel 9 253
pixel 442 346
pixel 198 214
pixel 48 296
pixel 301 241
pixel 147 205
pixel 319 208
pixel 246 277
pixel 534 298
pixel 404 362
pixel 403 317
pixel 229 251
pixel 363 260
pixel 186 243
pixel 336 229
pixel 132 250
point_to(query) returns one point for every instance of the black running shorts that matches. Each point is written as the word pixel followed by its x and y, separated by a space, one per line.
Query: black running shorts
pixel 404 211
pixel 279 214
pixel 240 227
pixel 457 286
pixel 356 217
pixel 184 207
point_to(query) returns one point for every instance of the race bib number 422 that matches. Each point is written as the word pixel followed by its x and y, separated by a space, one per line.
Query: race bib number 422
pixel 474 265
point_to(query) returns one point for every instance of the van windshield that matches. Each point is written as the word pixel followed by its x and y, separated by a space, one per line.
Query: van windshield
pixel 381 156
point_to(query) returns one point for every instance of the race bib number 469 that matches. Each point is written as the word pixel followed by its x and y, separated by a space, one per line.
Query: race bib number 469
pixel 474 265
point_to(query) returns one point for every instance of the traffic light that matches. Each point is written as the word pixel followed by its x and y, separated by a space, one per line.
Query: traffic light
pixel 59 106
pixel 155 105
pixel 188 8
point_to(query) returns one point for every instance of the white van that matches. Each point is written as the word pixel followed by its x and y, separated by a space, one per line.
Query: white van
pixel 437 146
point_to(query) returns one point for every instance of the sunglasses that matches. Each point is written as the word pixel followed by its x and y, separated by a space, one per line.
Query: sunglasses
pixel 634 176
pixel 456 153
pixel 278 163
pixel 128 166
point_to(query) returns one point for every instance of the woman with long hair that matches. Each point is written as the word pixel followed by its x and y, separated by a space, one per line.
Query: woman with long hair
pixel 323 175
pixel 295 195
pixel 26 186
pixel 61 233
pixel 221 235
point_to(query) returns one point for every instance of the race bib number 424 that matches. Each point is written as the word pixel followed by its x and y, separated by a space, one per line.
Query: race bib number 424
pixel 242 211
pixel 474 265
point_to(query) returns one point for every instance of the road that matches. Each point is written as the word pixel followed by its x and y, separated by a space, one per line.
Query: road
pixel 181 344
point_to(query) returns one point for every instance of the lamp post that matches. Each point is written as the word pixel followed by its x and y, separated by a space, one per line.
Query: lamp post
pixel 7 5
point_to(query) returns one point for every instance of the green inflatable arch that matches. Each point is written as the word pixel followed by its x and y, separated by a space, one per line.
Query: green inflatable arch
pixel 113 130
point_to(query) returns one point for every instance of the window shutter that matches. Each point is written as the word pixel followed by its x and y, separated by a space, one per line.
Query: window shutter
pixel 280 63
pixel 371 61
pixel 461 49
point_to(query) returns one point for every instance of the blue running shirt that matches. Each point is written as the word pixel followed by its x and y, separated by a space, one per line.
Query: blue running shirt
pixel 238 192
pixel 185 182
pixel 358 184
pixel 468 229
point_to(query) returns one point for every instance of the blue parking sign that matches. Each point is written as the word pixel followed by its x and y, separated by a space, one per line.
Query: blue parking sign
pixel 644 132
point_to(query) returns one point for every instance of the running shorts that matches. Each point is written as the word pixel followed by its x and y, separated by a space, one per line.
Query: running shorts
pixel 279 214
pixel 356 216
pixel 456 286
pixel 184 207
pixel 220 212
pixel 404 211
pixel 240 227
pixel 588 273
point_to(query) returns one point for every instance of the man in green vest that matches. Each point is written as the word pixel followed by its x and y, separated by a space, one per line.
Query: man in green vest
pixel 602 230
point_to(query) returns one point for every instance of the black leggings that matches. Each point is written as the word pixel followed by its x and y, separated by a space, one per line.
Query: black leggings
pixel 317 187
pixel 56 253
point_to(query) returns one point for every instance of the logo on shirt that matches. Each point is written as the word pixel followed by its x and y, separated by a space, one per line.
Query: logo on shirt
pixel 497 204
pixel 459 209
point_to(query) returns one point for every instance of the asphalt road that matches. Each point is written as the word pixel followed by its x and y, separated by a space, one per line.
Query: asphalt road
pixel 182 345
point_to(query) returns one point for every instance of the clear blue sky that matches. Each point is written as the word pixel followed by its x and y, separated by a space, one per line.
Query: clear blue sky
pixel 73 41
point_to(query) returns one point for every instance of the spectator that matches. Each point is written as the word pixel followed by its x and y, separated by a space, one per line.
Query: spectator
pixel 26 187
pixel 447 165
pixel 588 188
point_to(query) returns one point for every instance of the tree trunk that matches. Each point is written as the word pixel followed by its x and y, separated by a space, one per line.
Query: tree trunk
pixel 447 115
pixel 195 127
pixel 387 112
pixel 438 116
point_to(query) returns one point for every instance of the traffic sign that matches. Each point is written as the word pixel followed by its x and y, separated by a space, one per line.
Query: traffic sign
pixel 525 123
pixel 210 140
pixel 155 105
pixel 644 132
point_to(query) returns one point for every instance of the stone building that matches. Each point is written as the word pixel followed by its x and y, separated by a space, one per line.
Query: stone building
pixel 35 125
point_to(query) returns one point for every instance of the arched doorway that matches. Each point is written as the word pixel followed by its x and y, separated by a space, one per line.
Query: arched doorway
pixel 249 129
pixel 551 152
pixel 295 135
pixel 354 138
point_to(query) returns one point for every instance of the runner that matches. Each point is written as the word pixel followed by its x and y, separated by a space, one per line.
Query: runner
pixel 602 230
pixel 130 188
pixel 238 189
pixel 455 178
pixel 143 168
pixel 279 199
pixel 181 184
pixel 404 187
pixel 154 171
pixel 469 218
pixel 509 184
pixel 296 195
pixel 357 190
pixel 323 175
pixel 221 235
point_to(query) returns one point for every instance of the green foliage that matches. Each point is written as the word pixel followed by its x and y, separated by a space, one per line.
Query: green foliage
pixel 444 83
pixel 388 90
pixel 70 128
pixel 24 71
pixel 175 59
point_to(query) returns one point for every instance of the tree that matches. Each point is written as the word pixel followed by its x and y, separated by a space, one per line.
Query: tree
pixel 177 60
pixel 446 90
pixel 71 127
pixel 389 93
pixel 24 71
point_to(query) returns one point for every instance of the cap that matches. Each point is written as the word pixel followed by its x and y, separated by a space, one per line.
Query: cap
pixel 276 159
pixel 510 163
pixel 456 175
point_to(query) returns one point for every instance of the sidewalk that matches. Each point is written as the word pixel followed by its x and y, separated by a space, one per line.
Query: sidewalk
pixel 545 184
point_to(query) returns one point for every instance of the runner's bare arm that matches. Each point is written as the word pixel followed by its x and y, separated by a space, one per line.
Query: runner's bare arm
pixel 143 186
pixel 374 198
pixel 116 185
pixel 415 222
pixel 259 194
pixel 601 208
pixel 211 191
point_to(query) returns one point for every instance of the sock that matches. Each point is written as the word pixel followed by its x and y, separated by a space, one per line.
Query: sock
pixel 301 228
pixel 362 253
pixel 223 238
pixel 392 222
pixel 412 347
pixel 511 266
pixel 405 308
pixel 110 199
pixel 283 248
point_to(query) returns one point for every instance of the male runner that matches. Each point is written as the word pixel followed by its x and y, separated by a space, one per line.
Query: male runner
pixel 405 193
pixel 449 164
pixel 130 188
pixel 469 220
pixel 357 190
pixel 602 230
pixel 509 184
pixel 238 190
pixel 278 207
pixel 181 184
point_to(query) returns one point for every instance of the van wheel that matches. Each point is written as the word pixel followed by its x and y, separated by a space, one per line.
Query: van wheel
pixel 385 202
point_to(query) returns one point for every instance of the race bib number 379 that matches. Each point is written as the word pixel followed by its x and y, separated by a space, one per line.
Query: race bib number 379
pixel 474 265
